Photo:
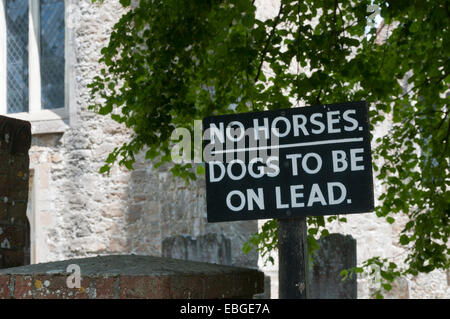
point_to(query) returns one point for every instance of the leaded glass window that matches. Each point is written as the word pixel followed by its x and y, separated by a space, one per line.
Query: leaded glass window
pixel 17 55
pixel 52 53
pixel 33 32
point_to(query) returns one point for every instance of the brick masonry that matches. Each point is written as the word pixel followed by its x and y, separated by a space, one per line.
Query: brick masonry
pixel 15 141
pixel 131 277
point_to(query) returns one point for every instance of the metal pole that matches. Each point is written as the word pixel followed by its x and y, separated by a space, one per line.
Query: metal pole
pixel 292 258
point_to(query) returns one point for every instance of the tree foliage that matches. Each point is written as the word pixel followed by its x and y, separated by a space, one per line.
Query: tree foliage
pixel 169 62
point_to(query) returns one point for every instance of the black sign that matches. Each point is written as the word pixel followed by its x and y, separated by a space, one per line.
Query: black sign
pixel 312 160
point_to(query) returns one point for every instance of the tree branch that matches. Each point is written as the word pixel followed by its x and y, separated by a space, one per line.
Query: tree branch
pixel 266 47
pixel 421 84
pixel 384 53
pixel 318 96
pixel 446 138
pixel 442 121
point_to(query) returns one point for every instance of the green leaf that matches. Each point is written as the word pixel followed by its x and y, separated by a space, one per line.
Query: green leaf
pixel 378 295
pixel 386 275
pixel 247 248
pixel 359 270
pixel 414 27
pixel 404 240
pixel 344 274
pixel 200 170
pixel 104 169
pixel 387 287
pixel 105 110
pixel 324 233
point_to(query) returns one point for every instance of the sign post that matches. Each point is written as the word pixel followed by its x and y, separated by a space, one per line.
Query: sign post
pixel 289 164
pixel 293 280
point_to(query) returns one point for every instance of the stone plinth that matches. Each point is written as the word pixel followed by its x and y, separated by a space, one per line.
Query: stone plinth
pixel 337 252
pixel 15 141
pixel 129 277
pixel 211 248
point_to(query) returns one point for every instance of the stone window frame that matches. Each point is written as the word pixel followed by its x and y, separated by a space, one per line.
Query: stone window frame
pixel 38 202
pixel 31 214
pixel 42 121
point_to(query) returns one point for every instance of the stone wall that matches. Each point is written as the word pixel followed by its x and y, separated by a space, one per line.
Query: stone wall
pixel 77 211
pixel 15 139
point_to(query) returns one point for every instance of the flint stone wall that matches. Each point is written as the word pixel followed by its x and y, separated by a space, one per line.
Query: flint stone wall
pixel 79 212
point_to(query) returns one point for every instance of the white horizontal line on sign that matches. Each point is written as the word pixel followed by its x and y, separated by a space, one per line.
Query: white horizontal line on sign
pixel 340 141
